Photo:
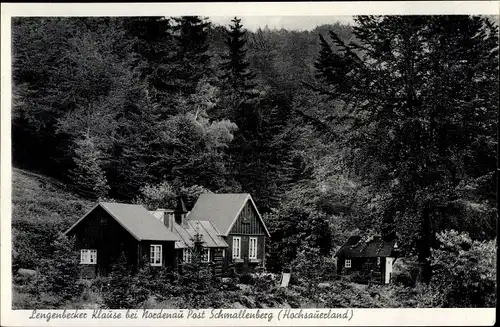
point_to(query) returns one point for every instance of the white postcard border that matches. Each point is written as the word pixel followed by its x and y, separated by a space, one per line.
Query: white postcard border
pixel 360 317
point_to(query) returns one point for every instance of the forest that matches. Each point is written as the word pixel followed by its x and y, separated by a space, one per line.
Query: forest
pixel 385 126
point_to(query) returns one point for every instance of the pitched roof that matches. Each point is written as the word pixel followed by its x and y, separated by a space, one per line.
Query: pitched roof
pixel 373 247
pixel 136 220
pixel 222 209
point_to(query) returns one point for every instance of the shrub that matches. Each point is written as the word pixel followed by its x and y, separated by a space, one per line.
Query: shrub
pixel 246 278
pixel 347 295
pixel 405 272
pixel 264 282
pixel 118 294
pixel 153 282
pixel 63 270
pixel 99 283
pixel 290 296
pixel 295 227
pixel 57 279
pixel 464 271
pixel 22 300
pixel 198 286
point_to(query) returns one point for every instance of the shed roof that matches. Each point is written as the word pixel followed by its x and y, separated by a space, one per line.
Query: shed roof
pixel 222 210
pixel 210 235
pixel 373 247
pixel 136 220
pixel 185 233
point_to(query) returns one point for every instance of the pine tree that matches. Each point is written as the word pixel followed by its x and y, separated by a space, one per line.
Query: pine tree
pixel 119 294
pixel 198 284
pixel 63 270
pixel 191 59
pixel 88 175
pixel 235 72
pixel 151 39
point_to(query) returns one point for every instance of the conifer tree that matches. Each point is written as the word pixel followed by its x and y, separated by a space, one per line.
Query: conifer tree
pixel 235 71
pixel 191 59
pixel 199 285
pixel 63 270
pixel 118 293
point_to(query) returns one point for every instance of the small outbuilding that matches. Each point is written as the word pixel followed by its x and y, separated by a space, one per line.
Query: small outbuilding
pixel 370 259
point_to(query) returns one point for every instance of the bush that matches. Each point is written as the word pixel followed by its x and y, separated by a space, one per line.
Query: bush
pixel 347 295
pixel 153 282
pixel 63 270
pixel 398 296
pixel 464 271
pixel 57 281
pixel 99 283
pixel 198 286
pixel 22 300
pixel 405 272
pixel 295 227
pixel 264 282
pixel 246 279
pixel 120 291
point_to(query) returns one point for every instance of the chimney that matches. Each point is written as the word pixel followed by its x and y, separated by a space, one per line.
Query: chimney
pixel 168 219
pixel 180 212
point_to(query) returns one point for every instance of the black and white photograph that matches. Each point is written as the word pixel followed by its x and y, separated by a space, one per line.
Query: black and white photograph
pixel 188 162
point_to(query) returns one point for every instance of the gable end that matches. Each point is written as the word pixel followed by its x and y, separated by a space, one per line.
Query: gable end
pixel 248 220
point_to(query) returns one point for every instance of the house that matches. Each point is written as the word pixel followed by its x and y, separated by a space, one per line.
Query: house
pixel 110 229
pixel 239 224
pixel 186 230
pixel 371 259
pixel 232 232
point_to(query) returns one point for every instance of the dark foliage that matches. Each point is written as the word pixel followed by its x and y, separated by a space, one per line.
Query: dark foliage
pixel 417 92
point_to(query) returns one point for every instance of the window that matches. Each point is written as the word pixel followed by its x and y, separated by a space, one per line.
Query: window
pixel 348 263
pixel 88 257
pixel 206 255
pixel 236 247
pixel 155 257
pixel 186 255
pixel 252 248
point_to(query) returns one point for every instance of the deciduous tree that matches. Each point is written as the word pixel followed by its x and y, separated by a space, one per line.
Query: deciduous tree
pixel 416 93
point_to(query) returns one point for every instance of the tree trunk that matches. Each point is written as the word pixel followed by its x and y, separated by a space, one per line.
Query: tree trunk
pixel 424 247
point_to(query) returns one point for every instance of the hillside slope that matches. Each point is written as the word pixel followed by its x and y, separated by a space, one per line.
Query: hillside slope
pixel 42 207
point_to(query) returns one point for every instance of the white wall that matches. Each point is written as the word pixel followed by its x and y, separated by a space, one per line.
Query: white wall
pixel 388 269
